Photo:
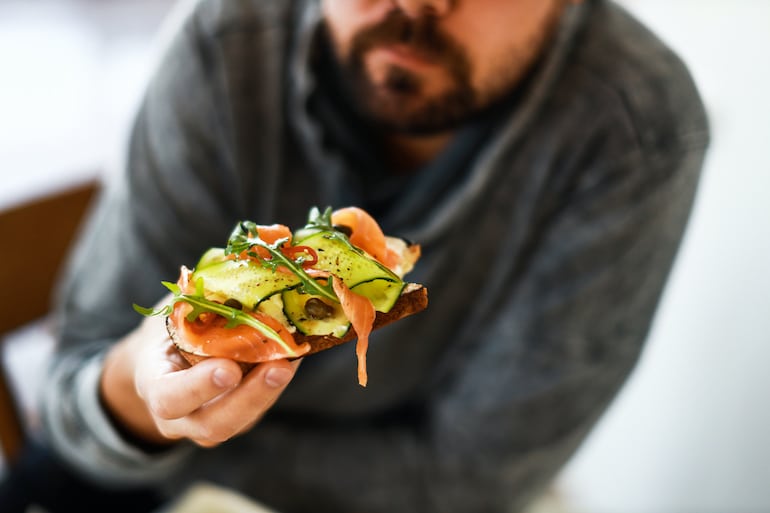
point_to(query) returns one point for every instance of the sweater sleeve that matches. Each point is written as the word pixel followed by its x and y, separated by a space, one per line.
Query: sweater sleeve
pixel 521 390
pixel 138 235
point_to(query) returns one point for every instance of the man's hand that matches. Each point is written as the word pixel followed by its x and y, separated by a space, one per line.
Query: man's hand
pixel 149 388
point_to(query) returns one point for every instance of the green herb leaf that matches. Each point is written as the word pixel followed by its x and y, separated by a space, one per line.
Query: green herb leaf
pixel 242 240
pixel 149 312
pixel 318 221
pixel 173 287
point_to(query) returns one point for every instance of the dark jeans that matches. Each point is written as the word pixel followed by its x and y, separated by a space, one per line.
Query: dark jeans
pixel 39 478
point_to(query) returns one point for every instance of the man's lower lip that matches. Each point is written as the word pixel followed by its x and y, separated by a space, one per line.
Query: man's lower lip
pixel 405 56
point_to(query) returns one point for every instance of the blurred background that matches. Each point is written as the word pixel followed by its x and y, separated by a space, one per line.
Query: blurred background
pixel 689 433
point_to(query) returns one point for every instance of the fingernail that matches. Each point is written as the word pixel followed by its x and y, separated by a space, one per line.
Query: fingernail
pixel 224 378
pixel 277 377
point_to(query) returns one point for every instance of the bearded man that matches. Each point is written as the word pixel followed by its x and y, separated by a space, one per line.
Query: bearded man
pixel 544 153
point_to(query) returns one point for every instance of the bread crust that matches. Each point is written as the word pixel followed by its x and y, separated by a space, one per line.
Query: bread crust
pixel 413 299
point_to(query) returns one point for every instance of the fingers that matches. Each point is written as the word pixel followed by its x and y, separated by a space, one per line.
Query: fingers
pixel 235 412
pixel 256 394
pixel 156 395
pixel 211 402
pixel 177 394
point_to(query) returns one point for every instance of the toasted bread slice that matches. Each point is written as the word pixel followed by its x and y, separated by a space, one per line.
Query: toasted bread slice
pixel 413 299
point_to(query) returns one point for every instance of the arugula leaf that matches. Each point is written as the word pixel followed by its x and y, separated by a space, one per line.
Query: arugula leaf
pixel 321 221
pixel 202 305
pixel 242 240
pixel 318 221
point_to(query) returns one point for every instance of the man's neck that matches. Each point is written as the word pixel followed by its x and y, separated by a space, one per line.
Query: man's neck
pixel 406 153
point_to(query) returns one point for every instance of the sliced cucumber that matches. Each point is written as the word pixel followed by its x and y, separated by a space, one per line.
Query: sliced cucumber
pixel 211 256
pixel 382 293
pixel 294 306
pixel 243 280
pixel 273 307
pixel 336 256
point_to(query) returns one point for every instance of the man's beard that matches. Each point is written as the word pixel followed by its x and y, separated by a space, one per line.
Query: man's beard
pixel 399 104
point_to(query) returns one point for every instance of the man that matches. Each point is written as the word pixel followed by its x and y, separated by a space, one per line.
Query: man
pixel 545 155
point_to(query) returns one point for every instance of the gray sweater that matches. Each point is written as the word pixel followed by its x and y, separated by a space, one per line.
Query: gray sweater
pixel 544 261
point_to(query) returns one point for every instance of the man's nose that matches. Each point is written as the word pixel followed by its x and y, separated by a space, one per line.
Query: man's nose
pixel 417 8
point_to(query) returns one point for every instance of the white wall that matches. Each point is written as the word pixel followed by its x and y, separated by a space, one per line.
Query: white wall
pixel 72 72
pixel 691 430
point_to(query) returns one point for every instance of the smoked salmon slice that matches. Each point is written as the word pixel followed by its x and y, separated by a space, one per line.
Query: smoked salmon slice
pixel 208 334
pixel 360 312
pixel 366 234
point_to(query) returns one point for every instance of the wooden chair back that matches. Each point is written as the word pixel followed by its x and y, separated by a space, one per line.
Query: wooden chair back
pixel 34 241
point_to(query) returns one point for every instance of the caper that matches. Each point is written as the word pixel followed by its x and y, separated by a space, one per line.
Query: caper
pixel 234 303
pixel 317 309
pixel 343 228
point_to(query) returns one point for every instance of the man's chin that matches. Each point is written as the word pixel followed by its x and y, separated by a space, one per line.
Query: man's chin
pixel 401 123
pixel 394 98
pixel 392 111
pixel 406 114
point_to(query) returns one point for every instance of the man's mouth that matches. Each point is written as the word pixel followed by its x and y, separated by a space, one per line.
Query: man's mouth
pixel 404 55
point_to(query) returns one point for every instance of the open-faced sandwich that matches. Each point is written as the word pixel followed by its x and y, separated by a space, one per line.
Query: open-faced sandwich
pixel 272 294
